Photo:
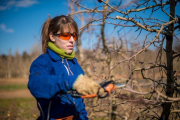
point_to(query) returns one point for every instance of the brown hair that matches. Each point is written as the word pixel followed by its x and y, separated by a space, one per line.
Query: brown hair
pixel 59 23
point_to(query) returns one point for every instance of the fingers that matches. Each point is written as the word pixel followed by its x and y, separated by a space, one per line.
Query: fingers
pixel 94 89
pixel 86 86
pixel 83 92
pixel 102 92
pixel 89 89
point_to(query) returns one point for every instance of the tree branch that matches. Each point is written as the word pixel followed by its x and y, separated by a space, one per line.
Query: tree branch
pixel 135 10
pixel 166 97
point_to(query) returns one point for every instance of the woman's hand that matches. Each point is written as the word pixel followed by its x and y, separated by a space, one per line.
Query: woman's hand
pixel 86 86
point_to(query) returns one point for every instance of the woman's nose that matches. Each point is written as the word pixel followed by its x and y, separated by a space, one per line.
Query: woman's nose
pixel 71 39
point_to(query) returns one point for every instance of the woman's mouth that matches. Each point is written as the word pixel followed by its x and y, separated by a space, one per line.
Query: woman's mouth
pixel 70 46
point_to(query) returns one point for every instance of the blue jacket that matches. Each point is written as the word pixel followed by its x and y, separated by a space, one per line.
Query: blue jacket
pixel 50 75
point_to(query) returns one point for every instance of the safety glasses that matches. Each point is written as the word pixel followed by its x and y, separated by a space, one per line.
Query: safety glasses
pixel 67 35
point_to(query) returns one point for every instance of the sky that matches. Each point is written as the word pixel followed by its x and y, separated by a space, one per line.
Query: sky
pixel 21 22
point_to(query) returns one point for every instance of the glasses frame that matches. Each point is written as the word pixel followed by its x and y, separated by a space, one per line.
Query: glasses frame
pixel 58 34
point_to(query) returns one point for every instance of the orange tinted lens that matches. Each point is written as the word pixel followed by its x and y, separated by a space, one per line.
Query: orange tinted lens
pixel 65 36
pixel 74 36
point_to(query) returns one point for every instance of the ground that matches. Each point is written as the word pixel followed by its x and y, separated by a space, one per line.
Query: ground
pixel 14 92
pixel 16 101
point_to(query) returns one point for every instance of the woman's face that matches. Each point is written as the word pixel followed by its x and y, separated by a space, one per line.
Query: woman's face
pixel 66 45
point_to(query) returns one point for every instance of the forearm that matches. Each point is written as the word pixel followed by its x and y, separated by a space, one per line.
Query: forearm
pixel 46 86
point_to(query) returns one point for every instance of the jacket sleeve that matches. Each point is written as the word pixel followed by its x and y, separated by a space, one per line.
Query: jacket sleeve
pixel 83 112
pixel 43 85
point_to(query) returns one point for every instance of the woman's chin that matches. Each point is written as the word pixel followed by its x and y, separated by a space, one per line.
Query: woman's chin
pixel 69 51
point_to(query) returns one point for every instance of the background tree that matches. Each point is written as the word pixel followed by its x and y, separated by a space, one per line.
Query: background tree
pixel 131 42
pixel 157 25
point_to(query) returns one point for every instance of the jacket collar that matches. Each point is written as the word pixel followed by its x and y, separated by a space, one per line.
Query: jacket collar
pixel 55 56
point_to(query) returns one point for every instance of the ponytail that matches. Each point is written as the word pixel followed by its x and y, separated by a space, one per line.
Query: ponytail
pixel 45 35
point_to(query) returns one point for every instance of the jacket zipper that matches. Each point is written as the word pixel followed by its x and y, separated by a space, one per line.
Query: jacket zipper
pixel 69 67
pixel 68 74
pixel 65 66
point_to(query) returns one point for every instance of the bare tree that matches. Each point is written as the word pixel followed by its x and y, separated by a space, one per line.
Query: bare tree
pixel 9 65
pixel 157 24
pixel 73 7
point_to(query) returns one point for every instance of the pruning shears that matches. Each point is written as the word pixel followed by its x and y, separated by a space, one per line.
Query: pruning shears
pixel 108 87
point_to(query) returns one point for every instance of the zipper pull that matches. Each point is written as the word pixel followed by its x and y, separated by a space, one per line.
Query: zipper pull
pixel 62 61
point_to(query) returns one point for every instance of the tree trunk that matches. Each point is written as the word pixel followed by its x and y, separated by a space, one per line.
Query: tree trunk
pixel 105 48
pixel 80 54
pixel 169 56
pixel 9 65
pixel 113 116
pixel 80 51
pixel 102 28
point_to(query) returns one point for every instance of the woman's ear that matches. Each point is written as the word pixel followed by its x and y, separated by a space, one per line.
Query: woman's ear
pixel 51 36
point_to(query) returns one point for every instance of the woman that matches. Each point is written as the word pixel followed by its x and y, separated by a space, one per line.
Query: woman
pixel 57 71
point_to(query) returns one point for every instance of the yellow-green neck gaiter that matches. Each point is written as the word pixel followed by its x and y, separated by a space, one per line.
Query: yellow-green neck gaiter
pixel 62 53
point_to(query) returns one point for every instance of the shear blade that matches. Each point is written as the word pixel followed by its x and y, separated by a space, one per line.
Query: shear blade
pixel 120 85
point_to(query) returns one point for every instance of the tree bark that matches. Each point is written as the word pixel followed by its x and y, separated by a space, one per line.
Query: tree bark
pixel 169 58
pixel 103 26
pixel 9 65
pixel 80 51
pixel 105 48
pixel 113 116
